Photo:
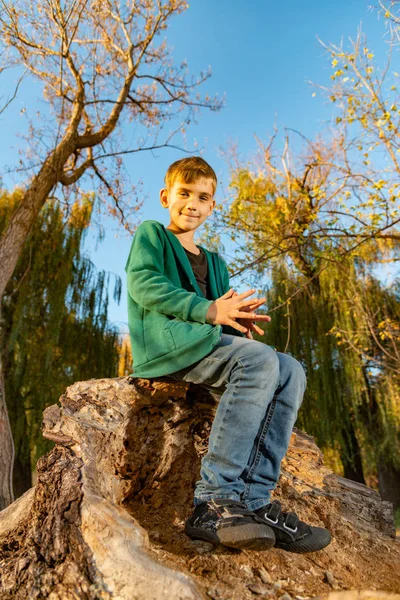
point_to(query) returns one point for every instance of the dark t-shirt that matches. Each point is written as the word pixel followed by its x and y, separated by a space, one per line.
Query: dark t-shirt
pixel 200 269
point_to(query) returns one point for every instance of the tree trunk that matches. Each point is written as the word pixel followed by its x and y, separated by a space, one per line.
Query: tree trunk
pixel 351 457
pixel 388 475
pixel 129 453
pixel 389 484
pixel 22 468
pixel 22 476
pixel 20 224
pixel 11 244
pixel 6 442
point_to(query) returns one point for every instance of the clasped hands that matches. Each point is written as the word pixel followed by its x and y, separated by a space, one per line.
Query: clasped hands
pixel 237 310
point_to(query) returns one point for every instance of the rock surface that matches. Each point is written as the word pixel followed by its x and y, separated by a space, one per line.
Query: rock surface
pixel 106 517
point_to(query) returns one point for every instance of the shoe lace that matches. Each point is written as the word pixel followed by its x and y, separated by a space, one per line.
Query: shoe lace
pixel 232 510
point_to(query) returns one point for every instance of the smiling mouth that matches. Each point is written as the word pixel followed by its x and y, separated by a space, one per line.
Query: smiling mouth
pixel 190 216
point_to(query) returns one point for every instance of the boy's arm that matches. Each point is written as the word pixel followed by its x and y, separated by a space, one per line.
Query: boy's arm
pixel 149 287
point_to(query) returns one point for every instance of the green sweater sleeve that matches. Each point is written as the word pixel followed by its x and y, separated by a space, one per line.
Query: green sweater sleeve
pixel 149 287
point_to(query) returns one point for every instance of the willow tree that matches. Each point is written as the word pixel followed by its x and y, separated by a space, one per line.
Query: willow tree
pixel 367 328
pixel 111 87
pixel 336 318
pixel 319 215
pixel 55 324
pixel 352 400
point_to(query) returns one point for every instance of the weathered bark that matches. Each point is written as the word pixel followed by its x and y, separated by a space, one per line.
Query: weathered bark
pixel 123 448
pixel 70 538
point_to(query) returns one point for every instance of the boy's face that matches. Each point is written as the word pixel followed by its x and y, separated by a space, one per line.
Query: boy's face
pixel 189 204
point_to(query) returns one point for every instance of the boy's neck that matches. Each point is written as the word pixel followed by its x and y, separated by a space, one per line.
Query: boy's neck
pixel 186 238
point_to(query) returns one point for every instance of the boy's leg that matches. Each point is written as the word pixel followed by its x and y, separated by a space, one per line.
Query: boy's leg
pixel 262 472
pixel 262 392
pixel 248 373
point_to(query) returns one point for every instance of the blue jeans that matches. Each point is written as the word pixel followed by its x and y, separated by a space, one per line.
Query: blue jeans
pixel 262 391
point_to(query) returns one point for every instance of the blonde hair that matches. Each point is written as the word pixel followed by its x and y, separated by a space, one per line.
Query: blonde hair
pixel 190 170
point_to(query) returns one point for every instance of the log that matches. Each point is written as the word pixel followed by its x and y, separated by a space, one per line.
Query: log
pixel 105 519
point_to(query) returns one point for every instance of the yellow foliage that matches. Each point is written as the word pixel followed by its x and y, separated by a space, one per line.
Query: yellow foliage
pixel 379 184
pixel 80 212
pixel 125 357
pixel 281 205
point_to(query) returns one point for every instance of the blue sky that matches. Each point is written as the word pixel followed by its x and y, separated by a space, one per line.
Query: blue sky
pixel 263 55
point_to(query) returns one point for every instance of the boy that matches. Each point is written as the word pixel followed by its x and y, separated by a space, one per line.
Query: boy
pixel 186 322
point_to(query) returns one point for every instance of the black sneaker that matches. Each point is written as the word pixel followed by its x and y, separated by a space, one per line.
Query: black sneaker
pixel 292 534
pixel 230 523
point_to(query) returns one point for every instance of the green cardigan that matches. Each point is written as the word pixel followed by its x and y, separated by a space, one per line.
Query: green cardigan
pixel 166 308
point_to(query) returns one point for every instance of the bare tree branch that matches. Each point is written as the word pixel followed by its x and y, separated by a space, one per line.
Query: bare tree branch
pixel 12 98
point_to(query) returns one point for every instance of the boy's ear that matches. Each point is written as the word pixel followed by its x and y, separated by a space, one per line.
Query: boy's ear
pixel 164 197
pixel 212 206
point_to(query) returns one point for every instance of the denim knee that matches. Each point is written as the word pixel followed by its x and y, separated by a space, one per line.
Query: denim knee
pixel 291 370
pixel 264 362
pixel 259 354
pixel 298 371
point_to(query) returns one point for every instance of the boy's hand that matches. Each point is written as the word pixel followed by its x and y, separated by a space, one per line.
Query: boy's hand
pixel 251 325
pixel 237 311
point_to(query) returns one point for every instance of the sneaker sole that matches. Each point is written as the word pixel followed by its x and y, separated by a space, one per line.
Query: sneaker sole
pixel 307 544
pixel 246 537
